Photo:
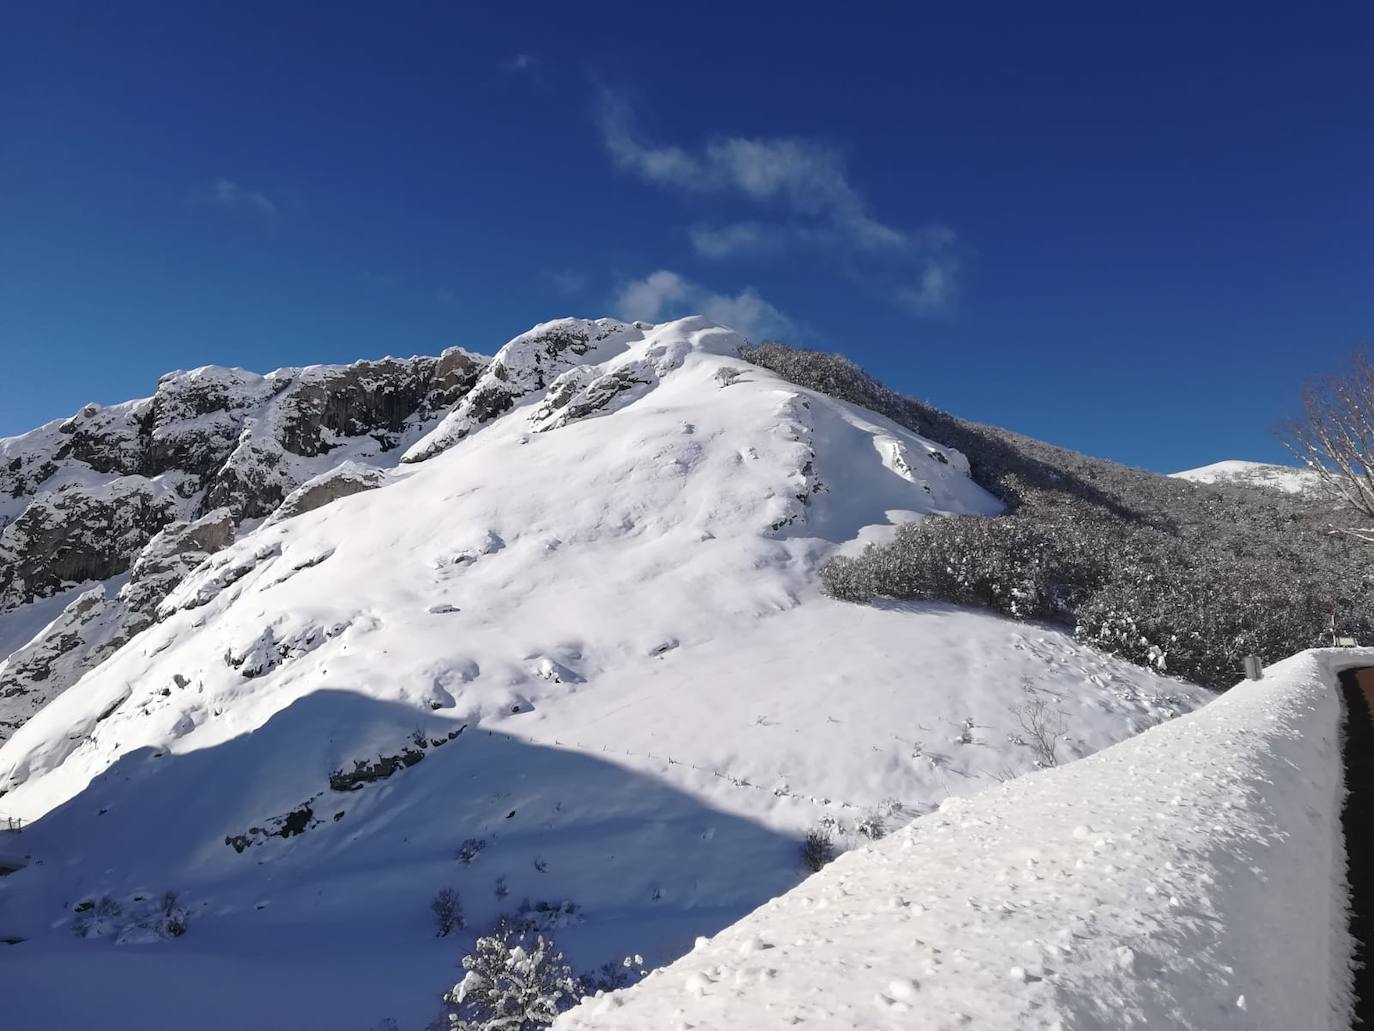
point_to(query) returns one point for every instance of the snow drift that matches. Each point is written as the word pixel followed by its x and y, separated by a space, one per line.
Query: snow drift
pixel 1191 877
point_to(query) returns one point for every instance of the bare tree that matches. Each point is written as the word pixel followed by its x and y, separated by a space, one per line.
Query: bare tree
pixel 1334 437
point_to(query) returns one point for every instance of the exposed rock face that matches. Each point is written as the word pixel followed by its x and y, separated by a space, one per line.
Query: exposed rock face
pixel 526 364
pixel 153 487
pixel 81 497
pixel 93 626
pixel 349 478
pixel 78 533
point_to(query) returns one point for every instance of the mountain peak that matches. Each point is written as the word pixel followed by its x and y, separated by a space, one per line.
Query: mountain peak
pixel 1287 478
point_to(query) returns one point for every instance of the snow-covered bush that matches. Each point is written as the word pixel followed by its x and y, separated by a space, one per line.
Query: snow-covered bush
pixel 448 912
pixel 728 375
pixel 611 977
pixel 140 920
pixel 470 849
pixel 171 920
pixel 97 918
pixel 817 849
pixel 513 981
pixel 871 826
pixel 1183 577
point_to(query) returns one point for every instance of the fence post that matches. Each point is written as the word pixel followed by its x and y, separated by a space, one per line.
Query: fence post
pixel 1253 670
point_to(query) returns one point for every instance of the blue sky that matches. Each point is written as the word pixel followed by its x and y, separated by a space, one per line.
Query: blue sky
pixel 1127 230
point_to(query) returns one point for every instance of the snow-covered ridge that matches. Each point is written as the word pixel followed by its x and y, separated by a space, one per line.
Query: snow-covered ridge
pixel 1191 877
pixel 1287 478
pixel 83 499
pixel 583 646
pixel 543 506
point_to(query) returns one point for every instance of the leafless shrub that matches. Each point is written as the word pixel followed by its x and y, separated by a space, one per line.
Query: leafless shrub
pixel 1334 438
pixel 448 912
pixel 818 849
pixel 1041 729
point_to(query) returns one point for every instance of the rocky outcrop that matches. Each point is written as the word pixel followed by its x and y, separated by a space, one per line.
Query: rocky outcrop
pixel 79 533
pixel 152 487
pixel 349 478
pixel 94 626
pixel 525 365
pixel 80 498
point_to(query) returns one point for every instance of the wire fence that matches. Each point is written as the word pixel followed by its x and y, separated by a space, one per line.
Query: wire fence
pixel 12 824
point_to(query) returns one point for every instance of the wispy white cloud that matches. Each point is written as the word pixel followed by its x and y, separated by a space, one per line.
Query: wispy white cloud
pixel 225 193
pixel 804 181
pixel 737 238
pixel 522 62
pixel 665 294
pixel 935 287
pixel 648 299
pixel 802 176
pixel 568 281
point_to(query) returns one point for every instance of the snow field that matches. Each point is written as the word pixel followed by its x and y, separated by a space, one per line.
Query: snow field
pixel 1191 877
pixel 601 603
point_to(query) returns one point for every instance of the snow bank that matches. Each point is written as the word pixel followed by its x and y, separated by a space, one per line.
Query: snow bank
pixel 1190 877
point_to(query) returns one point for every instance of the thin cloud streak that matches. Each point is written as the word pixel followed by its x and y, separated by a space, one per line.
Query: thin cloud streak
pixel 225 193
pixel 807 182
pixel 665 294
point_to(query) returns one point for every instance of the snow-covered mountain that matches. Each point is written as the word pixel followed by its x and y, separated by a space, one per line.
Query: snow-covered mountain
pixel 104 512
pixel 1287 478
pixel 570 650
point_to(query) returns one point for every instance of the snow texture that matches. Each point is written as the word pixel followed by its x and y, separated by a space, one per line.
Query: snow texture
pixel 586 634
pixel 1192 877
pixel 1289 479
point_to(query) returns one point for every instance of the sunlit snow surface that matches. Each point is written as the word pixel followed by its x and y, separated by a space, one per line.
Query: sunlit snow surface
pixel 1287 478
pixel 613 598
pixel 1192 877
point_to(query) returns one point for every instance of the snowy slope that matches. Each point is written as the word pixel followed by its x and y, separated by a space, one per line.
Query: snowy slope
pixel 86 499
pixel 1192 877
pixel 1289 479
pixel 584 632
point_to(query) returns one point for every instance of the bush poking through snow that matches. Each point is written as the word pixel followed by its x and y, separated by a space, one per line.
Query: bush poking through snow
pixel 513 981
pixel 1041 729
pixel 727 375
pixel 470 849
pixel 818 849
pixel 97 918
pixel 545 915
pixel 871 826
pixel 141 921
pixel 448 912
pixel 172 918
pixel 611 977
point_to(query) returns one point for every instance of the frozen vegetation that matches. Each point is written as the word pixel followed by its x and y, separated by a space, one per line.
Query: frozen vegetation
pixel 1170 574
pixel 1287 478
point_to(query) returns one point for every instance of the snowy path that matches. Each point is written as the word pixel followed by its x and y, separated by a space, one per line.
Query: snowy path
pixel 1191 877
